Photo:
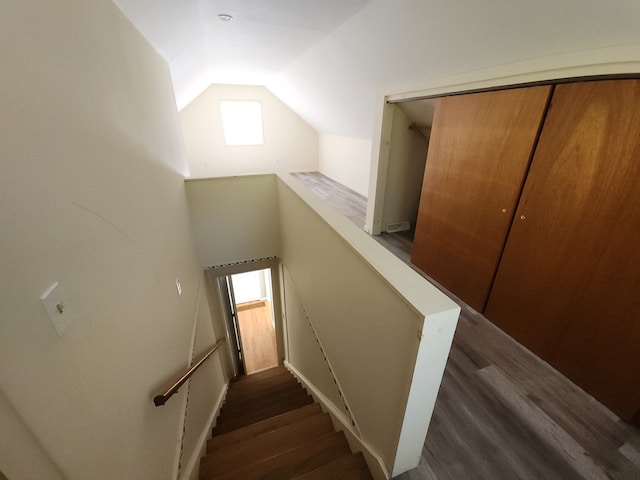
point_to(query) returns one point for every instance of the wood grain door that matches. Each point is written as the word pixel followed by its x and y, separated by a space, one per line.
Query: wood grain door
pixel 479 152
pixel 568 286
pixel 258 333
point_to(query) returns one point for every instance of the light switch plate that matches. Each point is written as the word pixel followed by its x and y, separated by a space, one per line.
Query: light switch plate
pixel 57 307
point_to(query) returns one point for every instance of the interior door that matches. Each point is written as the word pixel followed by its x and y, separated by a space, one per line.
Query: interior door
pixel 229 304
pixel 568 286
pixel 253 299
pixel 479 152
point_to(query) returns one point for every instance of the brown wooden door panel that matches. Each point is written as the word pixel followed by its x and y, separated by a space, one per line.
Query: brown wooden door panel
pixel 479 152
pixel 568 285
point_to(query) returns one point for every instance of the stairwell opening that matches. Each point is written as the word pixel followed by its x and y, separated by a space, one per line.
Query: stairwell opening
pixel 248 295
pixel 251 297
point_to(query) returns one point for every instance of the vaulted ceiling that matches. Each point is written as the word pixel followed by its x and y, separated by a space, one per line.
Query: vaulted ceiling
pixel 329 60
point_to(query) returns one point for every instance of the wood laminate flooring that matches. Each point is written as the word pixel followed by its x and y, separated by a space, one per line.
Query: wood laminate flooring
pixel 350 203
pixel 502 413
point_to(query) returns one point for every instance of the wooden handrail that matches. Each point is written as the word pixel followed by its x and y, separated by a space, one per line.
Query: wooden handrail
pixel 162 398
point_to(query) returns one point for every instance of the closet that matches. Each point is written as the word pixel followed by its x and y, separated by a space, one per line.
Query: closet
pixel 478 156
pixel 536 222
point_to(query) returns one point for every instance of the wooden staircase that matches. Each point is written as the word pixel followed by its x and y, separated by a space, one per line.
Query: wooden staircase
pixel 269 428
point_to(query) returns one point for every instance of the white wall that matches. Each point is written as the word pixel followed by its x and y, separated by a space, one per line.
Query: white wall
pixel 206 387
pixel 375 317
pixel 407 158
pixel 337 84
pixel 304 353
pixel 346 160
pixel 385 330
pixel 21 455
pixel 234 219
pixel 93 197
pixel 384 48
pixel 251 286
pixel 290 144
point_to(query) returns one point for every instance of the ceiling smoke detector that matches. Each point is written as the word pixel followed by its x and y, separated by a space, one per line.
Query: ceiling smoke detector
pixel 223 17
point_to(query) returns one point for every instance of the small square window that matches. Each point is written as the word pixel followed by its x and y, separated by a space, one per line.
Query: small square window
pixel 242 122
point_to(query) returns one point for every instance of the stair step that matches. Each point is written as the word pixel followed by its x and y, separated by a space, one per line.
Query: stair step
pixel 290 463
pixel 260 428
pixel 270 372
pixel 259 402
pixel 270 429
pixel 267 445
pixel 238 393
pixel 250 417
pixel 235 398
pixel 231 414
pixel 261 380
pixel 346 467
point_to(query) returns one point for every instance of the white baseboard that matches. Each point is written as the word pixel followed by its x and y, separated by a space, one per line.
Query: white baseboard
pixel 341 422
pixel 191 470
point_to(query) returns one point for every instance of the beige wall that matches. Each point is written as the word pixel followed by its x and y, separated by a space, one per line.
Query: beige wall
pixel 407 158
pixel 303 349
pixel 346 160
pixel 351 325
pixel 368 309
pixel 21 455
pixel 234 218
pixel 206 387
pixel 290 144
pixel 93 197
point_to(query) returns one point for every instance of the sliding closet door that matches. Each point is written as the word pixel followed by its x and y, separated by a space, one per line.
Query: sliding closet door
pixel 479 152
pixel 568 286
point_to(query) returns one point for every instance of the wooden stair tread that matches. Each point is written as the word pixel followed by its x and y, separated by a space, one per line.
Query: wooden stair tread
pixel 270 429
pixel 270 372
pixel 262 427
pixel 234 397
pixel 267 445
pixel 255 381
pixel 255 416
pixel 291 463
pixel 262 384
pixel 346 467
pixel 240 389
pixel 257 401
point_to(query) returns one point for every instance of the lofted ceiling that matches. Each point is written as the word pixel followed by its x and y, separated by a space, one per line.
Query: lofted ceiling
pixel 261 40
pixel 330 60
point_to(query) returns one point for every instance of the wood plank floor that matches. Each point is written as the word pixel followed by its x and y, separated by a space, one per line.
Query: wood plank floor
pixel 503 413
